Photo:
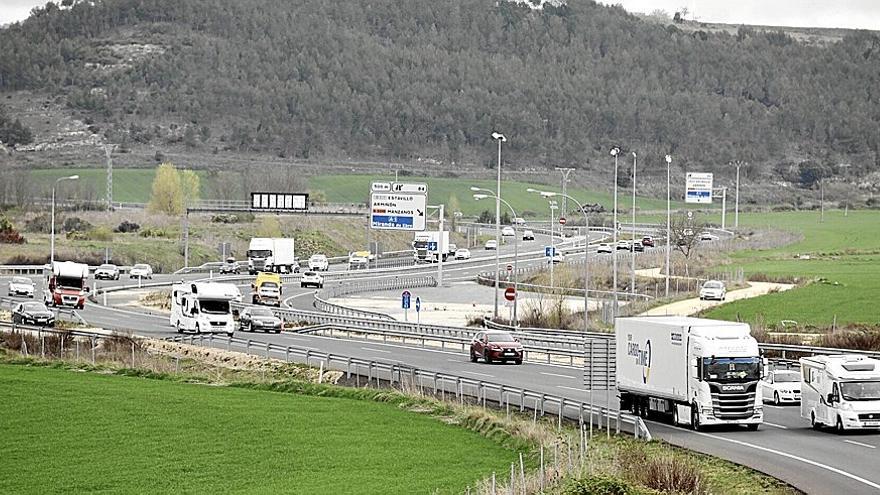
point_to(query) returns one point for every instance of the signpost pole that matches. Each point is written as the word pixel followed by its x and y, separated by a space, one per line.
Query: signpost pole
pixel 440 246
pixel 723 207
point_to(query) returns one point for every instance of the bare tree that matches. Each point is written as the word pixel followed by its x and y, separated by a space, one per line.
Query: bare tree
pixel 685 236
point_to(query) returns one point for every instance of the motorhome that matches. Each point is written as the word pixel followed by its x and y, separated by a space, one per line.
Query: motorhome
pixel 203 307
pixel 67 284
pixel 266 289
pixel 841 391
pixel 269 254
pixel 697 371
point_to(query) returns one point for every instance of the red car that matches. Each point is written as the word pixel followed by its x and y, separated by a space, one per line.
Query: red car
pixel 648 241
pixel 496 346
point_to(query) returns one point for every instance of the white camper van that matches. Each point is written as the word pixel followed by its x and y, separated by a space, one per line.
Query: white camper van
pixel 203 307
pixel 842 391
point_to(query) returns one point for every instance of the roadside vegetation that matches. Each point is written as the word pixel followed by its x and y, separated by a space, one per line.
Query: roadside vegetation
pixel 322 435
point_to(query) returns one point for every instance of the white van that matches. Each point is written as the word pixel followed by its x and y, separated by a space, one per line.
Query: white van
pixel 203 307
pixel 842 391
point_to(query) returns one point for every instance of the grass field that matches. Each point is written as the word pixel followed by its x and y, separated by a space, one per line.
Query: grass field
pixel 844 254
pixel 67 432
pixel 129 185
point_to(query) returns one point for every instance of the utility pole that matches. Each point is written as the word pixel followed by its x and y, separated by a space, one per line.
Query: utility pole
pixel 565 172
pixel 107 150
pixel 632 284
pixel 738 164
pixel 845 166
pixel 614 152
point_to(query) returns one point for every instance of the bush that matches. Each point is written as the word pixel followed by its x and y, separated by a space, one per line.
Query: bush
pixel 100 234
pixel 153 232
pixel 8 234
pixel 859 338
pixel 233 218
pixel 75 224
pixel 600 484
pixel 126 227
pixel 40 224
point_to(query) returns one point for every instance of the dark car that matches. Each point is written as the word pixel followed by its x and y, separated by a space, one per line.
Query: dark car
pixel 33 313
pixel 648 241
pixel 496 346
pixel 253 319
pixel 638 247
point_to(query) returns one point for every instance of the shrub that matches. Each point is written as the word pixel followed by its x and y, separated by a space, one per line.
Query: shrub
pixel 100 234
pixel 8 234
pixel 74 235
pixel 233 218
pixel 126 227
pixel 153 232
pixel 75 224
pixel 40 224
pixel 600 484
pixel 863 339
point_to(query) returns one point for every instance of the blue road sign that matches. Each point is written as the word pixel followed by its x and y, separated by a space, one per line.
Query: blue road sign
pixel 432 246
pixel 392 221
pixel 404 301
pixel 418 305
pixel 549 251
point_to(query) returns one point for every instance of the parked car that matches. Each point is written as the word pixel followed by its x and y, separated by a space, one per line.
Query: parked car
pixel 21 286
pixel 33 313
pixel 781 386
pixel 508 231
pixel 141 270
pixel 528 235
pixel 713 289
pixel 230 266
pixel 491 244
pixel 604 248
pixel 462 254
pixel 311 279
pixel 107 271
pixel 706 236
pixel 318 263
pixel 623 244
pixel 258 318
pixel 647 241
pixel 496 346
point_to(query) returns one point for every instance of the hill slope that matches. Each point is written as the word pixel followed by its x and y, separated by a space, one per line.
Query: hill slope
pixel 434 77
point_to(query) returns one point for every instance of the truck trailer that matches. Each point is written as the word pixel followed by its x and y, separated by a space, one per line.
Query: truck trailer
pixel 271 254
pixel 699 372
pixel 67 284
pixel 841 391
pixel 429 247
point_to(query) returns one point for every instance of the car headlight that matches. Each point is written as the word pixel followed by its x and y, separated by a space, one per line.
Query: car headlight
pixel 846 406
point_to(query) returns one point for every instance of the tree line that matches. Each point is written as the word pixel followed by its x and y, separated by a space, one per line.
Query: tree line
pixel 384 78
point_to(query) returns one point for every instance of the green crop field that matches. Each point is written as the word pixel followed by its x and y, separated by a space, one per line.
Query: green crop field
pixel 130 185
pixel 68 432
pixel 356 189
pixel 844 258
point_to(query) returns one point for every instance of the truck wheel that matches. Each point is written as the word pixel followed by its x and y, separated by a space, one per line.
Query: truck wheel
pixel 813 423
pixel 776 401
pixel 753 427
pixel 675 419
pixel 197 328
pixel 838 428
pixel 695 418
pixel 253 299
pixel 177 326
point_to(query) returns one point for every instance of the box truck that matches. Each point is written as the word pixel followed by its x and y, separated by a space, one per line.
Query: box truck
pixel 270 254
pixel 203 307
pixel 67 284
pixel 842 391
pixel 428 248
pixel 700 372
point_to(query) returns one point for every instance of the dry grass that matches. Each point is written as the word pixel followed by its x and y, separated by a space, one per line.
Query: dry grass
pixel 158 299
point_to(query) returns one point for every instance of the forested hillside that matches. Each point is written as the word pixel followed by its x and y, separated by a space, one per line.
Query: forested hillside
pixel 386 78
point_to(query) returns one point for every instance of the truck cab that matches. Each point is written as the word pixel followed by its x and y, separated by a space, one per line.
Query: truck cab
pixel 266 289
pixel 67 285
pixel 841 391
pixel 430 247
pixel 202 307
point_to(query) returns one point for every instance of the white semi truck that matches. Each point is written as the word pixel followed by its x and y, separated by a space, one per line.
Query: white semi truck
pixel 841 391
pixel 203 307
pixel 700 372
pixel 271 254
pixel 428 247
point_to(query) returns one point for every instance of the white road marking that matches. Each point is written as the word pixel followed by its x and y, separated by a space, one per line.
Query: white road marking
pixel 478 374
pixel 455 360
pixel 557 374
pixel 572 388
pixel 792 456
pixel 781 427
pixel 375 350
pixel 860 444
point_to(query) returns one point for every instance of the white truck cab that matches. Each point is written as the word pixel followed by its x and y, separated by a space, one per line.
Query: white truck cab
pixel 203 307
pixel 842 391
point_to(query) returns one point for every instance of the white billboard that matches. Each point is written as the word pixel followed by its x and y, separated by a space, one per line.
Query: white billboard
pixel 698 188
pixel 279 201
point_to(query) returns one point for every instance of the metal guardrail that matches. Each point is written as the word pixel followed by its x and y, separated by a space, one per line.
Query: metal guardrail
pixel 440 384
pixel 322 304
pixel 813 350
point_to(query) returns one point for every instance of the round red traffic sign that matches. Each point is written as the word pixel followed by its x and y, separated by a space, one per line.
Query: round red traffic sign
pixel 562 221
pixel 510 268
pixel 510 293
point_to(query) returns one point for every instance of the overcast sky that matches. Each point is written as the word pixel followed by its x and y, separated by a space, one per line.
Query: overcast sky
pixel 861 14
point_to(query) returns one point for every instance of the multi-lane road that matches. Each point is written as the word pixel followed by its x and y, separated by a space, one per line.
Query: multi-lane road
pixel 785 446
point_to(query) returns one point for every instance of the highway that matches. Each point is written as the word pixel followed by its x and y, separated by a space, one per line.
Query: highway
pixel 785 446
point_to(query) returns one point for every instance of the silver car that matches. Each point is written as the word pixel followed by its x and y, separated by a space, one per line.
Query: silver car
pixel 107 271
pixel 141 270
pixel 21 286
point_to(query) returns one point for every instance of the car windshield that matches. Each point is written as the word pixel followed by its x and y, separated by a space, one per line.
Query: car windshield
pixel 108 267
pixel 70 282
pixel 34 307
pixel 500 337
pixel 21 280
pixel 860 390
pixel 259 253
pixel 215 307
pixel 713 285
pixel 731 369
pixel 141 267
pixel 269 285
pixel 318 257
pixel 264 312
pixel 309 274
pixel 786 377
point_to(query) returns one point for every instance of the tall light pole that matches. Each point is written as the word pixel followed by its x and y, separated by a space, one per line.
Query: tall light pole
pixel 615 151
pixel 500 138
pixel 668 221
pixel 52 238
pixel 632 284
pixel 550 194
pixel 488 194
pixel 553 207
pixel 738 164
pixel 565 172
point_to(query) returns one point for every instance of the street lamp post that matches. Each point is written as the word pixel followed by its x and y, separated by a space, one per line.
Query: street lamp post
pixel 52 238
pixel 668 221
pixel 488 194
pixel 632 285
pixel 615 151
pixel 550 194
pixel 552 240
pixel 738 164
pixel 500 138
